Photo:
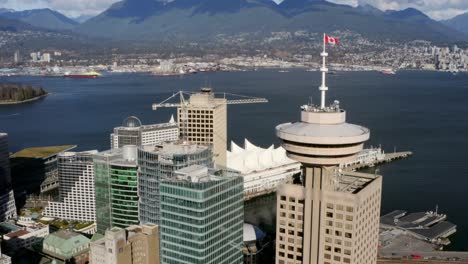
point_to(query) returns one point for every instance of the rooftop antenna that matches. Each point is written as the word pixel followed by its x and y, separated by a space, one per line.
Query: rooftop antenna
pixel 323 88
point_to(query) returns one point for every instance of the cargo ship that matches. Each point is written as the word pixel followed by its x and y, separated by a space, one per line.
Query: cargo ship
pixel 86 75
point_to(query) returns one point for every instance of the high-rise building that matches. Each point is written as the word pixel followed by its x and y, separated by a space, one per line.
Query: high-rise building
pixel 333 217
pixel 203 118
pixel 132 132
pixel 7 198
pixel 133 245
pixel 16 56
pixel 116 183
pixel 202 217
pixel 35 169
pixel 160 162
pixel 204 121
pixel 76 188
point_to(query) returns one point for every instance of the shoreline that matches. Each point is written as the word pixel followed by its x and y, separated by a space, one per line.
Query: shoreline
pixel 24 101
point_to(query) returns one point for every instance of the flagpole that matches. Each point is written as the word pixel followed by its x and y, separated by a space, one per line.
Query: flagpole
pixel 324 71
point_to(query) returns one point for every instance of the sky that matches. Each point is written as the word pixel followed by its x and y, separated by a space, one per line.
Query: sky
pixel 437 9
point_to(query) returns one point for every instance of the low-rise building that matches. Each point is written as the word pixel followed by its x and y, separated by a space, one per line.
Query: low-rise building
pixel 66 247
pixel 133 132
pixel 133 245
pixel 24 237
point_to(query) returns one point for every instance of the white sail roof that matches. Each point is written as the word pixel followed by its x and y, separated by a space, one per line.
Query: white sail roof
pixel 253 158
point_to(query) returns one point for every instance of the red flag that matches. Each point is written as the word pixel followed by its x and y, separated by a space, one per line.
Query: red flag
pixel 331 40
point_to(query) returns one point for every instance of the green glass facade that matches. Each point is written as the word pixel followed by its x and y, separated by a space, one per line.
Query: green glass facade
pixel 202 222
pixel 124 195
pixel 116 183
pixel 158 164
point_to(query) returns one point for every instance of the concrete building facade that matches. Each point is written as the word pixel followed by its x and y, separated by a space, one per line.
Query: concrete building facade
pixel 202 217
pixel 332 217
pixel 132 132
pixel 25 237
pixel 160 162
pixel 116 183
pixel 203 120
pixel 133 245
pixel 76 188
pixel 7 199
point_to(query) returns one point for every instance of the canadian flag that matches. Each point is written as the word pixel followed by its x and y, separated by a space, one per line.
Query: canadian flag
pixel 331 40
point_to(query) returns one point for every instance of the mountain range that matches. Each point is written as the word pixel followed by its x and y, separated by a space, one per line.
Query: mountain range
pixel 41 18
pixel 459 23
pixel 208 19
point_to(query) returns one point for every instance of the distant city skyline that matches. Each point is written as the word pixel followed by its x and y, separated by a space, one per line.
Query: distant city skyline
pixel 436 9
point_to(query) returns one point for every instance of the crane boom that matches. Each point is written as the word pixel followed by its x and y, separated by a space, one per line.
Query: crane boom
pixel 248 101
pixel 244 100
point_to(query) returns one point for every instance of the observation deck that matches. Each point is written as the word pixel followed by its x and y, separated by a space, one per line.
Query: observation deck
pixel 322 137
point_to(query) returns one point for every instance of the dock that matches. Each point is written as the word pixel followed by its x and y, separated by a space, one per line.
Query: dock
pixel 387 157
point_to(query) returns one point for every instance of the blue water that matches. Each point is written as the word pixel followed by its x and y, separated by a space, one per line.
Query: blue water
pixel 426 112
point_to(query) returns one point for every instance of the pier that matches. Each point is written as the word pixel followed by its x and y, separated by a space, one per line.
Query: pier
pixel 387 157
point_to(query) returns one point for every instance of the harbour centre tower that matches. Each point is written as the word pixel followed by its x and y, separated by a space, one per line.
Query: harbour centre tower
pixel 332 216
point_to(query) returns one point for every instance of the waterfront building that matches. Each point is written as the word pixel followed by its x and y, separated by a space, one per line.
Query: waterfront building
pixel 367 157
pixel 160 162
pixel 202 216
pixel 133 245
pixel 76 188
pixel 262 169
pixel 66 246
pixel 132 132
pixel 203 120
pixel 35 170
pixel 23 237
pixel 332 217
pixel 7 198
pixel 116 183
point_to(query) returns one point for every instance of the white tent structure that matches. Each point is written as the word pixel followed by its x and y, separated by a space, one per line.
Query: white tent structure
pixel 263 168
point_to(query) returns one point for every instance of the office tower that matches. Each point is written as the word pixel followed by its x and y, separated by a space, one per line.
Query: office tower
pixel 132 132
pixel 76 188
pixel 202 217
pixel 203 118
pixel 116 184
pixel 7 198
pixel 36 169
pixel 204 121
pixel 159 162
pixel 133 245
pixel 333 217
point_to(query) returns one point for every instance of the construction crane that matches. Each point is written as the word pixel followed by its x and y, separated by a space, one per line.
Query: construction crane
pixel 203 128
pixel 242 99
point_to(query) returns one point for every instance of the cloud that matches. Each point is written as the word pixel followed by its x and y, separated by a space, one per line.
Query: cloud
pixel 437 9
pixel 71 8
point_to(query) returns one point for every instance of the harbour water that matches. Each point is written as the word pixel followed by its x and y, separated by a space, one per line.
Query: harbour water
pixel 425 112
